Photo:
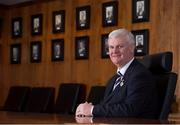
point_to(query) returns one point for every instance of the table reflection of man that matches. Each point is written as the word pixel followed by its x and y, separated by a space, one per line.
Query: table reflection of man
pixel 109 14
pixel 140 9
pixel 84 120
pixel 139 43
pixel 57 50
pixel 82 18
pixel 16 28
pixel 58 22
pixel 36 25
pixel 81 48
pixel 35 52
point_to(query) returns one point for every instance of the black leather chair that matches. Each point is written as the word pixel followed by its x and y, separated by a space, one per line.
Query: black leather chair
pixel 161 65
pixel 69 97
pixel 17 98
pixel 41 100
pixel 96 94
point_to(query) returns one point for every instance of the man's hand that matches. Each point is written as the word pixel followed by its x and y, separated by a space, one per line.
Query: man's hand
pixel 84 109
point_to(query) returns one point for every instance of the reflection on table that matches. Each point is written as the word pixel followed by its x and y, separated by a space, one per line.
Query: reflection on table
pixel 43 118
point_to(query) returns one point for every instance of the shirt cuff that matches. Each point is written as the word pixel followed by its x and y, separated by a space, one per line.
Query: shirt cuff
pixel 92 110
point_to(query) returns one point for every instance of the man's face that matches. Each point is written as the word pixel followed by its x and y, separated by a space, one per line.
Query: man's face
pixel 120 51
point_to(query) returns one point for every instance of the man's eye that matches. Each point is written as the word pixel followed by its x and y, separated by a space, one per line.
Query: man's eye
pixel 120 47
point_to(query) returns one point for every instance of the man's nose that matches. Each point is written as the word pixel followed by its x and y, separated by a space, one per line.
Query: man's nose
pixel 115 49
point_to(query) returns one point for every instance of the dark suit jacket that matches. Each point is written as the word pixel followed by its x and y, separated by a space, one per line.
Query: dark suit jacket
pixel 136 98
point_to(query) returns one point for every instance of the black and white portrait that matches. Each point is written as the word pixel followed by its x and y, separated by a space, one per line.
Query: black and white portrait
pixel 58 21
pixel 36 24
pixel 57 49
pixel 16 27
pixel 109 14
pixel 139 43
pixel 82 47
pixel 104 46
pixel 82 18
pixel 36 51
pixel 140 9
pixel 35 54
pixel 15 53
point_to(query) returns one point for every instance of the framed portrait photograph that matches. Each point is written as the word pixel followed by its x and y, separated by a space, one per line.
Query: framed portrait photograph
pixel 58 21
pixel 142 42
pixel 16 27
pixel 140 11
pixel 36 51
pixel 104 46
pixel 15 53
pixel 57 49
pixel 36 24
pixel 82 47
pixel 110 13
pixel 83 17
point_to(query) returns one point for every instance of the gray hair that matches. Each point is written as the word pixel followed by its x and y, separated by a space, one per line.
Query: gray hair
pixel 122 33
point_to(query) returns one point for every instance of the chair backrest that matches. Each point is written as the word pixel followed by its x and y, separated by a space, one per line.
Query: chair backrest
pixel 41 100
pixel 161 65
pixel 96 94
pixel 69 96
pixel 17 98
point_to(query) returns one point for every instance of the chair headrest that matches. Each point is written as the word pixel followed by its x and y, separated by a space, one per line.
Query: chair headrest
pixel 158 63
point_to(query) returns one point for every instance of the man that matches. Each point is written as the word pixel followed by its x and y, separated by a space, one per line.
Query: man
pixel 135 94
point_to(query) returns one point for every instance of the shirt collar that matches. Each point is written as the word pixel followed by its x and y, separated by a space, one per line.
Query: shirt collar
pixel 125 67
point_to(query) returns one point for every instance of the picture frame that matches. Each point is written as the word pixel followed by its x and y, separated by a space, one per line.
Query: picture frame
pixel 36 51
pixel 141 41
pixel 36 24
pixel 57 49
pixel 83 17
pixel 82 47
pixel 104 46
pixel 16 27
pixel 58 21
pixel 15 53
pixel 140 11
pixel 110 13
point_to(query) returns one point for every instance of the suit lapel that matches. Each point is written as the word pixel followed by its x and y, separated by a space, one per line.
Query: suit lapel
pixel 110 86
pixel 129 70
pixel 120 90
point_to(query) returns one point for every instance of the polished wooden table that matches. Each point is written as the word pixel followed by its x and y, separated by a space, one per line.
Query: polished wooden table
pixel 43 118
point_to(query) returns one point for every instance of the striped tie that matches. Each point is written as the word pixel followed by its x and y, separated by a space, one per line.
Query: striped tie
pixel 119 80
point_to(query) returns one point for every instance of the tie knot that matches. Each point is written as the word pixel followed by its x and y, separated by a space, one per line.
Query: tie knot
pixel 119 73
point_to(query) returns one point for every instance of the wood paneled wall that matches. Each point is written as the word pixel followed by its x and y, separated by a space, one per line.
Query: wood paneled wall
pixel 164 36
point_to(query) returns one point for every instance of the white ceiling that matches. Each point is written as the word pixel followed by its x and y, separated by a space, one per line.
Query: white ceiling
pixel 12 2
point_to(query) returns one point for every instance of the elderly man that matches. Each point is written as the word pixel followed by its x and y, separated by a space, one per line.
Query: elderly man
pixel 131 92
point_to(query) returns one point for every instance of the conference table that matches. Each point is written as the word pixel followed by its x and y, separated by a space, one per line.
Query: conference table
pixel 45 118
